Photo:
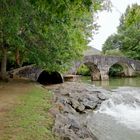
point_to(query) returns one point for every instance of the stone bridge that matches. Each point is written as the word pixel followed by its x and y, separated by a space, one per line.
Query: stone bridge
pixel 99 66
pixel 35 73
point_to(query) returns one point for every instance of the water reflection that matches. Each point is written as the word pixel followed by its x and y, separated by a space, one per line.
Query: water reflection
pixel 114 82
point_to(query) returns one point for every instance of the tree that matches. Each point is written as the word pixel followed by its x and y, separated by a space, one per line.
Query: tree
pixel 130 33
pixel 127 39
pixel 8 32
pixel 114 52
pixel 49 33
pixel 112 43
pixel 131 43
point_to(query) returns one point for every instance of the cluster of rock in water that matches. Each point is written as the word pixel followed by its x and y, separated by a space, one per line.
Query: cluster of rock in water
pixel 73 103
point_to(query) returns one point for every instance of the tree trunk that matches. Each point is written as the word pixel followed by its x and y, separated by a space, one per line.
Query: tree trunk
pixel 17 57
pixel 4 64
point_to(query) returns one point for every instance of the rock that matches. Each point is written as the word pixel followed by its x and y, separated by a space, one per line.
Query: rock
pixel 74 103
pixel 90 138
pixel 62 100
pixel 69 127
pixel 73 120
pixel 68 109
pixel 101 96
pixel 93 98
pixel 89 104
pixel 53 111
pixel 66 138
pixel 66 94
pixel 74 126
pixel 80 108
pixel 88 97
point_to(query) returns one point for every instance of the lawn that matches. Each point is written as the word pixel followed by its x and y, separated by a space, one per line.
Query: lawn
pixel 30 119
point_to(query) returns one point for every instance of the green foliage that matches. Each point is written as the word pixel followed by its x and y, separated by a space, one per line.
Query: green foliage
pixel 131 17
pixel 112 43
pixel 127 39
pixel 49 33
pixel 116 70
pixel 83 70
pixel 114 52
pixel 131 43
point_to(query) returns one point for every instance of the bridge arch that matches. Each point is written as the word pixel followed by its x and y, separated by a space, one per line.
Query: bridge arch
pixel 103 63
pixel 46 78
pixel 127 69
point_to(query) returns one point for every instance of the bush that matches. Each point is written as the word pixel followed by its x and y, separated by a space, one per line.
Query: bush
pixel 83 70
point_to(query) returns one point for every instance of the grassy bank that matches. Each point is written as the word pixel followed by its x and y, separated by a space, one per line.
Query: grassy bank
pixel 30 119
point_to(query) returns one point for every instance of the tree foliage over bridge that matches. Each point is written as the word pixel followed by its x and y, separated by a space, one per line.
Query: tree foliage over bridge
pixel 49 33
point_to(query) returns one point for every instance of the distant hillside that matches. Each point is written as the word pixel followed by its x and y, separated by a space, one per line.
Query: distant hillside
pixel 92 51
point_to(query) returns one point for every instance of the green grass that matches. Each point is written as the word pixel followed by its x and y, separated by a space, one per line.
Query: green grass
pixel 30 120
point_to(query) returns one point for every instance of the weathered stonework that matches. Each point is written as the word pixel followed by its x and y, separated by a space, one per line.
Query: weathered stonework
pixel 99 66
pixel 35 73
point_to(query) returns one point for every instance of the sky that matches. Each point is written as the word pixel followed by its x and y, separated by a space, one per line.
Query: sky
pixel 109 21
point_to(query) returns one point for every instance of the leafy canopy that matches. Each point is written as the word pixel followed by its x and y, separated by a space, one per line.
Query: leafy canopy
pixel 127 39
pixel 49 33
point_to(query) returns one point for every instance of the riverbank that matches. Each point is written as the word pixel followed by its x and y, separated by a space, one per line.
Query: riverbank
pixel 68 111
pixel 24 112
pixel 73 103
pixel 28 110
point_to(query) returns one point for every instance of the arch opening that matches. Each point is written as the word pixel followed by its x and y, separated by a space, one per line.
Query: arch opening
pixel 116 70
pixel 47 78
pixel 121 70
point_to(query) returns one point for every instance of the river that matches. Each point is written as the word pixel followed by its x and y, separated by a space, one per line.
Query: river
pixel 119 117
pixel 113 82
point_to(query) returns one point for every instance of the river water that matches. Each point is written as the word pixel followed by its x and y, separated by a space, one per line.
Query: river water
pixel 119 116
pixel 114 82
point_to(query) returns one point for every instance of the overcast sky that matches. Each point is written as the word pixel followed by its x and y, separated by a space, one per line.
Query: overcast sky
pixel 109 21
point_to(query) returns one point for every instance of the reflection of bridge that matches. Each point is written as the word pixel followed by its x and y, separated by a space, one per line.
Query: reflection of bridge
pixel 99 66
